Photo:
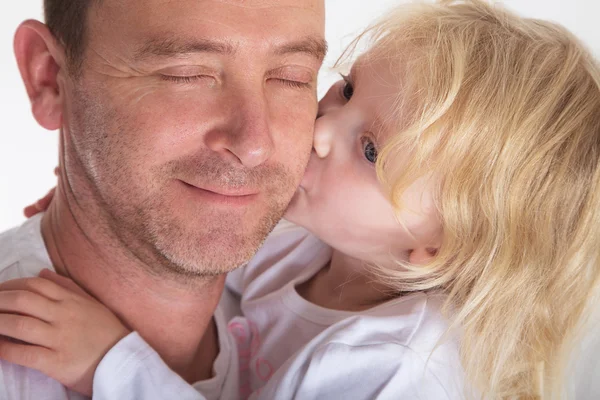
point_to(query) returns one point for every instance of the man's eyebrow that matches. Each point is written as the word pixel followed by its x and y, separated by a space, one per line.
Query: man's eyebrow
pixel 169 47
pixel 314 47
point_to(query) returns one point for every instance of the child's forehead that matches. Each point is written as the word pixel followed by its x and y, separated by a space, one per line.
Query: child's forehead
pixel 383 91
pixel 366 60
pixel 389 66
pixel 379 78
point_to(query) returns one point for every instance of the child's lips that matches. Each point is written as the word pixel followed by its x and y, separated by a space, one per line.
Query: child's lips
pixel 310 171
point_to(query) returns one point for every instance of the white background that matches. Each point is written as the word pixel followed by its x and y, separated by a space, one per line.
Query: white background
pixel 28 154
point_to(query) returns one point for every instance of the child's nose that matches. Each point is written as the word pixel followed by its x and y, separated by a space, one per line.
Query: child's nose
pixel 323 137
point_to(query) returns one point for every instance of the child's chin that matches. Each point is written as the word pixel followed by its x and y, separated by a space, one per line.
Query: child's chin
pixel 296 210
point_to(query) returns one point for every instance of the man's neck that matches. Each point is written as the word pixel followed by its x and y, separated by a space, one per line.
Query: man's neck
pixel 173 316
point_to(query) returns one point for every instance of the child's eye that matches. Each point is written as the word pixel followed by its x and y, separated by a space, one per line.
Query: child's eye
pixel 369 149
pixel 347 89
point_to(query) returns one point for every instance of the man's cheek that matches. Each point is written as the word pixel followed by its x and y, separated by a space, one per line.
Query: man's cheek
pixel 302 124
pixel 133 92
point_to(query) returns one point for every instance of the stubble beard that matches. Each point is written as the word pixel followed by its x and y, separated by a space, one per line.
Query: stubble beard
pixel 135 212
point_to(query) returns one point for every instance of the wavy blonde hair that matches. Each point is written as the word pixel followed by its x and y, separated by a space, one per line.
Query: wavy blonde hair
pixel 508 109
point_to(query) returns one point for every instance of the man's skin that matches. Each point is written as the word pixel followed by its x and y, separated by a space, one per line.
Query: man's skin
pixel 181 143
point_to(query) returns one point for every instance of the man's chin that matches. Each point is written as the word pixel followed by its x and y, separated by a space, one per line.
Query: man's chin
pixel 212 251
pixel 206 258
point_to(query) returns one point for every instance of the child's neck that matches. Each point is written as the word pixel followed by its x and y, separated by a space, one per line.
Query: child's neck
pixel 344 284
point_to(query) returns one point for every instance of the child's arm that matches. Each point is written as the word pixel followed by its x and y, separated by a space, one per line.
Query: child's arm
pixel 53 326
pixel 133 370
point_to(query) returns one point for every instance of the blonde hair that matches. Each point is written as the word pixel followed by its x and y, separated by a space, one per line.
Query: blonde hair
pixel 508 109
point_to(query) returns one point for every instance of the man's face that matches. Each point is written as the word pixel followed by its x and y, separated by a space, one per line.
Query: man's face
pixel 192 123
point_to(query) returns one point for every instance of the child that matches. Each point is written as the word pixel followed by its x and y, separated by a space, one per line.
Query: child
pixel 455 174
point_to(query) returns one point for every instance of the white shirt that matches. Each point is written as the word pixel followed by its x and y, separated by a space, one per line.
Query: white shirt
pixel 290 348
pixel 583 379
pixel 23 254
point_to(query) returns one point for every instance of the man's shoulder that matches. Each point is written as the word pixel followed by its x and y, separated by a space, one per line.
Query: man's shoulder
pixel 22 251
pixel 24 383
pixel 23 254
pixel 8 250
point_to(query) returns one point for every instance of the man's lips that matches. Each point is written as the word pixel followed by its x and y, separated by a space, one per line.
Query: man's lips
pixel 237 196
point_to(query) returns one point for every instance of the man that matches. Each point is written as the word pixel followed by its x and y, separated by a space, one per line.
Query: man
pixel 185 127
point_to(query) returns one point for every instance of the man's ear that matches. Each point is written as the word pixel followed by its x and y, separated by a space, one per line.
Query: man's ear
pixel 40 59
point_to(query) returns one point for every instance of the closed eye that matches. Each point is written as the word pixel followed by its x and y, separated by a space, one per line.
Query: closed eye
pixel 182 79
pixel 293 84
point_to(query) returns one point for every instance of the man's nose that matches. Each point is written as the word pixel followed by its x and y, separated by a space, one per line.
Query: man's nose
pixel 247 136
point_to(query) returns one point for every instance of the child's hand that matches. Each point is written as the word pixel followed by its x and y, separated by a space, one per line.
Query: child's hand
pixel 42 204
pixel 59 329
pixel 39 206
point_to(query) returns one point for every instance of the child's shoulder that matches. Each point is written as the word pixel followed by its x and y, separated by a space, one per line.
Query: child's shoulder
pixel 398 348
pixel 415 321
pixel 22 251
pixel 413 327
pixel 411 330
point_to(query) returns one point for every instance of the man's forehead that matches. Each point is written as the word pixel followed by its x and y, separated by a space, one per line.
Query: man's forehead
pixel 152 11
pixel 168 28
pixel 270 3
pixel 316 5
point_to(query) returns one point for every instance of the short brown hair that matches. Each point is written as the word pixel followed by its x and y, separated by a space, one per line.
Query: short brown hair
pixel 67 19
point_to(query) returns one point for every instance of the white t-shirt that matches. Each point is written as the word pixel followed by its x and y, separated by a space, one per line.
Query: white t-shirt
pixel 290 348
pixel 584 371
pixel 23 254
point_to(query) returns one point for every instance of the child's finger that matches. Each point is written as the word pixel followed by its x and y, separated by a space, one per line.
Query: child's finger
pixel 31 210
pixel 63 282
pixel 40 205
pixel 26 329
pixel 40 286
pixel 29 356
pixel 27 303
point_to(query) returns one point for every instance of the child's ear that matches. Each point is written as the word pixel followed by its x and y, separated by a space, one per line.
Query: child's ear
pixel 39 58
pixel 422 255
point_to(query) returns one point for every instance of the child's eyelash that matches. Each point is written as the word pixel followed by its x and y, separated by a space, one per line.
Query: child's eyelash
pixel 346 78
